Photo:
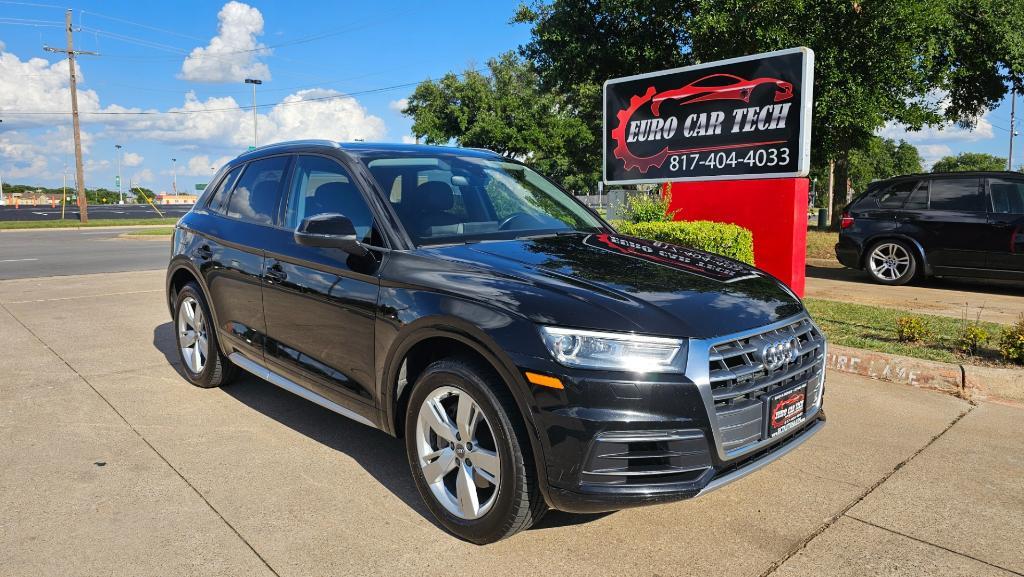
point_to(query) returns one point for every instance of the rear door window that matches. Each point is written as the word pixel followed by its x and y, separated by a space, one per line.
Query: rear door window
pixel 963 194
pixel 256 196
pixel 918 199
pixel 1007 195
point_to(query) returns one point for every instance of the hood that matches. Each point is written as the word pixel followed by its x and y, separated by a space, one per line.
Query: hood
pixel 619 283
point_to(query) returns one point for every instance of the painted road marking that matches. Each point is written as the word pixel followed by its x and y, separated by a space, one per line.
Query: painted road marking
pixel 18 259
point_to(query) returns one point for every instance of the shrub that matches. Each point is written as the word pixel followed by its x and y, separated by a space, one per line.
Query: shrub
pixel 650 207
pixel 970 339
pixel 1011 343
pixel 912 330
pixel 721 238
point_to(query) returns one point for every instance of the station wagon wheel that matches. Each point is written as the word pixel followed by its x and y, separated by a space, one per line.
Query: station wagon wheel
pixel 469 451
pixel 202 362
pixel 891 262
pixel 457 453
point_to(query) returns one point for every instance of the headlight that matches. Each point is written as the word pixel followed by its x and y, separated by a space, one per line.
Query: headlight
pixel 617 351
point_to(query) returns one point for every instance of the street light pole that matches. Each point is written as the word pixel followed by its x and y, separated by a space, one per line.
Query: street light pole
pixel 255 133
pixel 1013 127
pixel 117 147
pixel 174 169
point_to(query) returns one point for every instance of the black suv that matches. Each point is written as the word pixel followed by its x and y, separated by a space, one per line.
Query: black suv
pixel 942 224
pixel 530 356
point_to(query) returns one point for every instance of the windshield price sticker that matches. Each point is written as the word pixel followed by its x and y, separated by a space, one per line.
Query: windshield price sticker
pixel 680 258
pixel 742 118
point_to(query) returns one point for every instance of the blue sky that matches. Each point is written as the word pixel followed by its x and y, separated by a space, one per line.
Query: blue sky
pixel 160 57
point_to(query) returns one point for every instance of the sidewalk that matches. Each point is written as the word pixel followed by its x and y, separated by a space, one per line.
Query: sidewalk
pixel 110 463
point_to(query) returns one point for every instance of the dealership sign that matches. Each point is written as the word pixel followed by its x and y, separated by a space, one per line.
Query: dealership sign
pixel 746 117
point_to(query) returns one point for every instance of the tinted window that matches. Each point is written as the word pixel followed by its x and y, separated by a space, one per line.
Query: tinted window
pixel 918 199
pixel 321 185
pixel 897 194
pixel 956 194
pixel 255 197
pixel 217 203
pixel 1007 195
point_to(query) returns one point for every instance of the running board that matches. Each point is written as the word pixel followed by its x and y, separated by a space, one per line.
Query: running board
pixel 275 379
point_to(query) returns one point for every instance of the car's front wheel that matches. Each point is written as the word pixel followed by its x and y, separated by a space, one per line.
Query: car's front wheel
pixel 891 262
pixel 196 339
pixel 469 453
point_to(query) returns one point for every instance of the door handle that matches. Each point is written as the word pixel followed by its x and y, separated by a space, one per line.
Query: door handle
pixel 275 273
pixel 204 252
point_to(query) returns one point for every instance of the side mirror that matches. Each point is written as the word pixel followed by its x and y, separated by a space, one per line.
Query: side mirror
pixel 330 230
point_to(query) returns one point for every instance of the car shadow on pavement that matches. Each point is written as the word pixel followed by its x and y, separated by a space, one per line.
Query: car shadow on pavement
pixel 379 454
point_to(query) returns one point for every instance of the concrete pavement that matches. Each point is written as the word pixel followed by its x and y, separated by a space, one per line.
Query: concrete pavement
pixel 96 211
pixel 110 463
pixel 39 253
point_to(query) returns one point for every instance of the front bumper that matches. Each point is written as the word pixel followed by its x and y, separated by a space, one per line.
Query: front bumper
pixel 611 441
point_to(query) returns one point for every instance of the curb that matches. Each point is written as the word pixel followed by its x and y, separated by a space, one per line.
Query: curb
pixel 964 381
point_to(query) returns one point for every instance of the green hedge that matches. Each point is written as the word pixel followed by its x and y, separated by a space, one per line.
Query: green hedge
pixel 729 240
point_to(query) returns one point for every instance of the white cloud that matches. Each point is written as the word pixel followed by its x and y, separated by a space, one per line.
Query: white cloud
pixel 399 105
pixel 406 139
pixel 142 176
pixel 233 54
pixel 931 153
pixel 132 159
pixel 947 132
pixel 28 154
pixel 202 165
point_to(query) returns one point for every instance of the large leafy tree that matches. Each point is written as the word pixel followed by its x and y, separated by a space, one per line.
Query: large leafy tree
pixel 882 158
pixel 915 62
pixel 969 161
pixel 505 109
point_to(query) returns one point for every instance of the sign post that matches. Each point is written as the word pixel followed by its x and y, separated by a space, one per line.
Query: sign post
pixel 733 138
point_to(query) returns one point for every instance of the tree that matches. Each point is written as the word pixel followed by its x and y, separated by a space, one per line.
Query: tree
pixel 969 161
pixel 882 158
pixel 914 62
pixel 506 110
pixel 142 194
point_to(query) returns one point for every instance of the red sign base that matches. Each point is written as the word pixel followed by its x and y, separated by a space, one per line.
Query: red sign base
pixel 775 210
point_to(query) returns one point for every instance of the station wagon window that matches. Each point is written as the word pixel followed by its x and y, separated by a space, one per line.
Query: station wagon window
pixel 218 200
pixel 896 195
pixel 321 185
pixel 1007 195
pixel 256 196
pixel 956 194
pixel 918 199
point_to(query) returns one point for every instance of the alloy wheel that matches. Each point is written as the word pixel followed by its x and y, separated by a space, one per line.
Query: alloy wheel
pixel 192 335
pixel 889 261
pixel 457 453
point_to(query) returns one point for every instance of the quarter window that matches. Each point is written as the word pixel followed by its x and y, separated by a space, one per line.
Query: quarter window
pixel 896 195
pixel 256 196
pixel 956 194
pixel 218 200
pixel 1007 195
pixel 321 185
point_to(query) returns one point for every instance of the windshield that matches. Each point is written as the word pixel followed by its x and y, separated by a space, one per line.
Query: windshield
pixel 448 198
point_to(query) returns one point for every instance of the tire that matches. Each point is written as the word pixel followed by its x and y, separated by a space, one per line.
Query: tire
pixel 511 505
pixel 190 309
pixel 891 262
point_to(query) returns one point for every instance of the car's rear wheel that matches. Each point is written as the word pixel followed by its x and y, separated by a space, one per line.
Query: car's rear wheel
pixel 196 338
pixel 891 262
pixel 469 454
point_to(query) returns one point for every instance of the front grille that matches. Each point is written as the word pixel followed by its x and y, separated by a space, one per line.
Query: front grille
pixel 740 383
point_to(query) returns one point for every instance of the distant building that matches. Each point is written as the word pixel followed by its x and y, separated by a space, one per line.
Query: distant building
pixel 164 198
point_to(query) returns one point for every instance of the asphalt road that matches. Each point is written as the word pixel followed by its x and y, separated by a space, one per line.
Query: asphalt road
pixel 112 464
pixel 97 211
pixel 38 253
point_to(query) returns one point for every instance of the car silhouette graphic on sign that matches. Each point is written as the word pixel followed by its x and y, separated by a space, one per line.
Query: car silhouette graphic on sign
pixel 721 87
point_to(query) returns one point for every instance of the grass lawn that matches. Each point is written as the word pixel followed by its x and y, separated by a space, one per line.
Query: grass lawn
pixel 161 231
pixel 821 244
pixel 874 328
pixel 74 223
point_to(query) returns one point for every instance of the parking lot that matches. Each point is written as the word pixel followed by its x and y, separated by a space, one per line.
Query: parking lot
pixel 111 463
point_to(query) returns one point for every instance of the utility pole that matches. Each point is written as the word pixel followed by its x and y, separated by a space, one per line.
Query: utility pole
pixel 174 170
pixel 1013 127
pixel 255 135
pixel 83 202
pixel 117 147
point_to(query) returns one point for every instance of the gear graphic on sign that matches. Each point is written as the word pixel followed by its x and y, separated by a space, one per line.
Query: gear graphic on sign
pixel 629 160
